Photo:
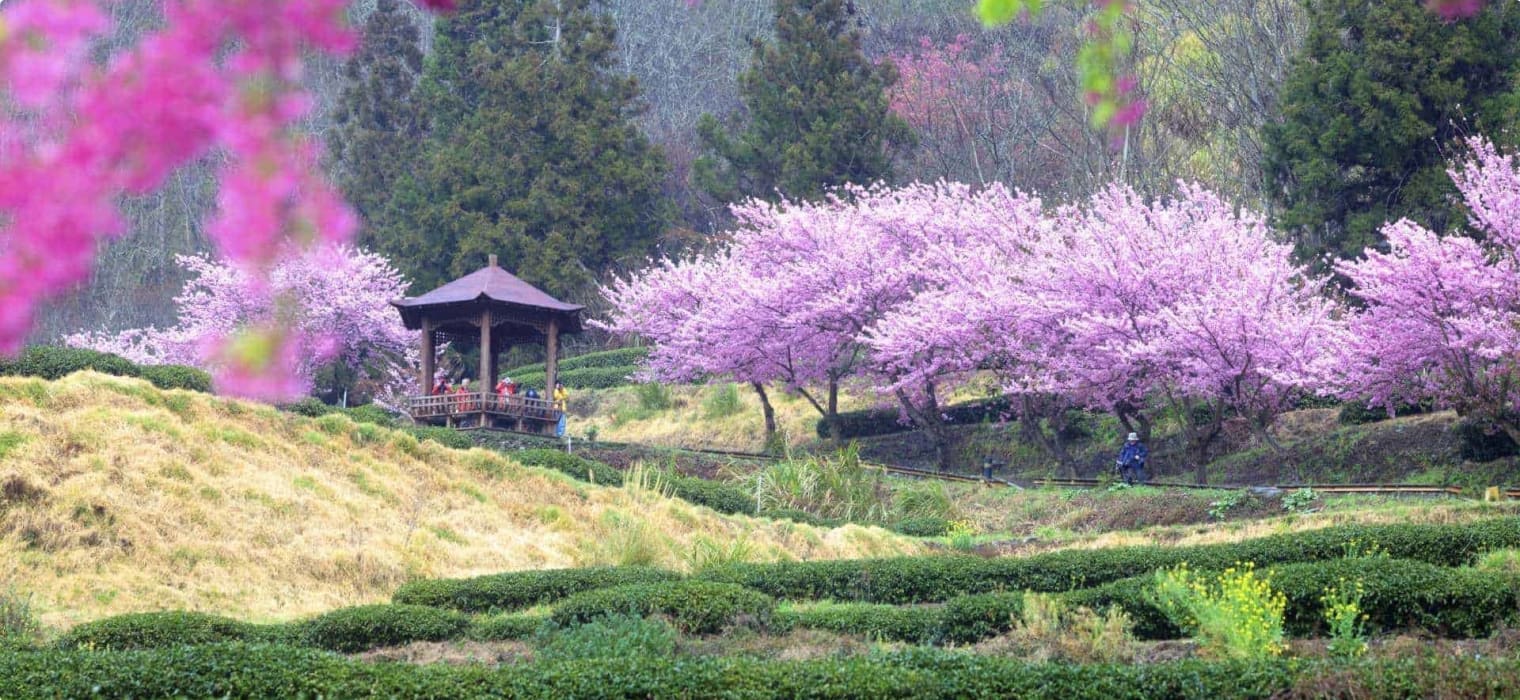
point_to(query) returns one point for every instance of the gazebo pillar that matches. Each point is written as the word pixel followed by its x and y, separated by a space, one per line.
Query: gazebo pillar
pixel 551 359
pixel 487 356
pixel 428 357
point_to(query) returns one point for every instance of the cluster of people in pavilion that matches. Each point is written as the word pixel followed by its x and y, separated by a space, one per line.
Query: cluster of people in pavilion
pixel 507 396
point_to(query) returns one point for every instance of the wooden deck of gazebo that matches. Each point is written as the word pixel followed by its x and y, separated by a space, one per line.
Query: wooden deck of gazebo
pixel 496 309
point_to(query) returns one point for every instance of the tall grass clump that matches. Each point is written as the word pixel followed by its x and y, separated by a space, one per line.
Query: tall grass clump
pixel 18 622
pixel 722 402
pixel 1234 615
pixel 653 396
pixel 836 488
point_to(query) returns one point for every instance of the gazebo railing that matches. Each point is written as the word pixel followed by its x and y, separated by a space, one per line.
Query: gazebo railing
pixel 444 405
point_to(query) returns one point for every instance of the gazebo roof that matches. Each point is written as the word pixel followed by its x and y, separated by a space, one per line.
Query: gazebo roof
pixel 492 286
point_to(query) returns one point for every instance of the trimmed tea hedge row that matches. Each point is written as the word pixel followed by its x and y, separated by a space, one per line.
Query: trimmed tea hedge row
pixel 938 578
pixel 588 378
pixel 897 623
pixel 622 357
pixel 53 363
pixel 697 607
pixel 1398 594
pixel 266 671
pixel 346 629
pixel 522 589
pixel 716 495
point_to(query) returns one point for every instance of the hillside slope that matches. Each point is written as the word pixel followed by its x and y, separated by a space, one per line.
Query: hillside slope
pixel 116 496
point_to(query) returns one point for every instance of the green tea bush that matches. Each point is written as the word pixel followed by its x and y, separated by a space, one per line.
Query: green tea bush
pixel 371 626
pixel 177 377
pixel 249 671
pixel 970 618
pixel 940 577
pixel 448 437
pixel 311 407
pixel 925 526
pixel 573 465
pixel 586 378
pixel 606 638
pixel 621 358
pixel 1397 594
pixel 895 623
pixel 50 363
pixel 1358 413
pixel 521 589
pixel 800 516
pixel 721 497
pixel 500 627
pixel 695 607
pixel 370 413
pixel 154 630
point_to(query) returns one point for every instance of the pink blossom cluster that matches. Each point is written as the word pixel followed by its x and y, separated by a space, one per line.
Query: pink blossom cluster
pixel 216 76
pixel 1120 301
pixel 1441 314
pixel 324 305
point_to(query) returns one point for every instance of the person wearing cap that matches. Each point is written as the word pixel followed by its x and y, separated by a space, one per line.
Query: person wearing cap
pixel 1131 462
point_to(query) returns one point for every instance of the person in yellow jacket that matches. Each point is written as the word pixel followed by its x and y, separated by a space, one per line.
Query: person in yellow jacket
pixel 561 396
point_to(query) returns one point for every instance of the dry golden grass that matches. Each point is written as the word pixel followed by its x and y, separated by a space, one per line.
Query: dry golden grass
pixel 117 497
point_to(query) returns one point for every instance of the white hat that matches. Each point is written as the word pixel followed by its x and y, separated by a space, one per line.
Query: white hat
pixel 1133 437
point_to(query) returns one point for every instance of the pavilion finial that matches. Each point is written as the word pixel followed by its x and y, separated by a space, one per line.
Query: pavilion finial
pixel 493 260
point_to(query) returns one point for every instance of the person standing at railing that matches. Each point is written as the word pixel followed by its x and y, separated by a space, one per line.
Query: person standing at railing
pixel 532 397
pixel 461 401
pixel 561 396
pixel 500 400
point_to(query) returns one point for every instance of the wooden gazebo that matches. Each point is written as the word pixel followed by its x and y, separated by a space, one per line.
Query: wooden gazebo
pixel 494 308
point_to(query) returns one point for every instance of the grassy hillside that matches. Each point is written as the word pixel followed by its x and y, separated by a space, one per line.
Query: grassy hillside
pixel 116 496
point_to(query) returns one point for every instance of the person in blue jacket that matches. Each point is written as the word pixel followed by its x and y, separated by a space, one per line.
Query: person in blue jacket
pixel 1131 462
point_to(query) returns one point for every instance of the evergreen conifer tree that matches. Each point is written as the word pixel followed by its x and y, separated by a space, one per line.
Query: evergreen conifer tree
pixel 816 109
pixel 1372 112
pixel 380 124
pixel 533 153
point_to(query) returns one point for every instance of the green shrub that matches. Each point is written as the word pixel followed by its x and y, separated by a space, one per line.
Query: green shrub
pixel 311 407
pixel 588 378
pixel 371 626
pixel 18 622
pixel 177 377
pixel 258 671
pixel 1359 413
pixel 926 526
pixel 941 577
pixel 1397 594
pixel 718 496
pixel 521 589
pixel 1483 442
pixel 606 638
pixel 833 487
pixel 970 618
pixel 448 437
pixel 695 607
pixel 800 516
pixel 370 413
pixel 500 627
pixel 155 630
pixel 48 362
pixel 620 358
pixel 896 623
pixel 574 465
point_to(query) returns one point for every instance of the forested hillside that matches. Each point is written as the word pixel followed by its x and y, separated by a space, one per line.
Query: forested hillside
pixel 983 105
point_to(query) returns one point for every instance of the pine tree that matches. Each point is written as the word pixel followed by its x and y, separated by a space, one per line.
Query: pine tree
pixel 817 112
pixel 1372 112
pixel 533 154
pixel 380 124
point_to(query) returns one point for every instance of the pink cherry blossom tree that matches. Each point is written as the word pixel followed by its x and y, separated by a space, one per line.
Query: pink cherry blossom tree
pixel 1441 316
pixel 81 131
pixel 339 297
